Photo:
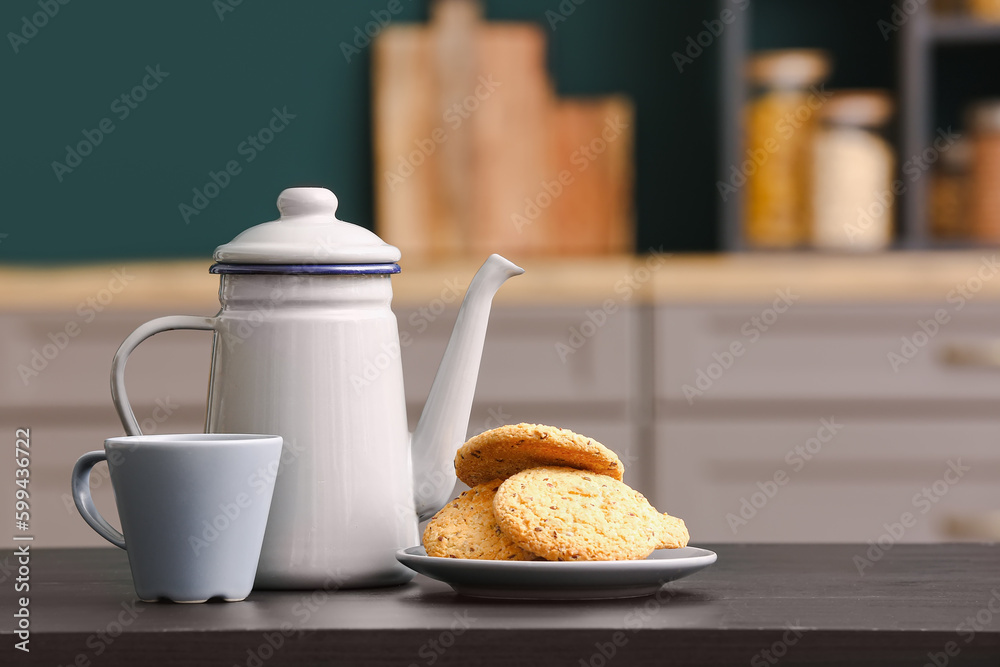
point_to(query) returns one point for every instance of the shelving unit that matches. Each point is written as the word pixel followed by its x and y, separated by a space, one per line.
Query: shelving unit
pixel 915 113
pixel 918 40
pixel 921 36
pixel 733 82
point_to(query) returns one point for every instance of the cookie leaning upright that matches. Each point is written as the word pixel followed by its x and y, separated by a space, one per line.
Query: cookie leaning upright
pixel 505 451
pixel 568 514
pixel 466 528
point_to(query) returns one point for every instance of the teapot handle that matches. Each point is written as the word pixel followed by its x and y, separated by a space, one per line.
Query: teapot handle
pixel 159 325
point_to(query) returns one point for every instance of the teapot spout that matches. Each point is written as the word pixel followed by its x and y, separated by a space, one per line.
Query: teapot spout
pixel 445 419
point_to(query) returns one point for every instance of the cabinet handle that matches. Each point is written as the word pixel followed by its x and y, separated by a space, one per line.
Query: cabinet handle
pixel 985 355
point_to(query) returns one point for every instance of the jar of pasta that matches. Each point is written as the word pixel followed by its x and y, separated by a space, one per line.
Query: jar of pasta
pixel 987 10
pixel 984 175
pixel 780 118
pixel 853 173
pixel 949 196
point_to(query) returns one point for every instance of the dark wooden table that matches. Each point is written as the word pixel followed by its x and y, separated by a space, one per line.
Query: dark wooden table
pixel 759 605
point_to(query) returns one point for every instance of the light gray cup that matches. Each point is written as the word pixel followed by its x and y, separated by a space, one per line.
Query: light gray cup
pixel 193 509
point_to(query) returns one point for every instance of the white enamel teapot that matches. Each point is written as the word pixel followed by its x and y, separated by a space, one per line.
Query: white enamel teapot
pixel 307 347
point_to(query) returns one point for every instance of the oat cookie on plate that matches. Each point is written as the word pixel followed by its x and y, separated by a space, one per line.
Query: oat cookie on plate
pixel 505 451
pixel 466 528
pixel 567 514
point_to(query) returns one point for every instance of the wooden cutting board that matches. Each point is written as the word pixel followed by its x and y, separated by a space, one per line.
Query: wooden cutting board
pixel 511 143
pixel 470 141
pixel 592 149
pixel 407 196
pixel 453 28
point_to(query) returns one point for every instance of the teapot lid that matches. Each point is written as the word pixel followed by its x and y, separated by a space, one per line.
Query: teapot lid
pixel 307 233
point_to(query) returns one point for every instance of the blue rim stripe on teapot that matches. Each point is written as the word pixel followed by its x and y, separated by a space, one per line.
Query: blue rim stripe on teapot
pixel 305 269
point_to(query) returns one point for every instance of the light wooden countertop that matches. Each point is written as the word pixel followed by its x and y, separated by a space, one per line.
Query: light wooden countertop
pixel 726 278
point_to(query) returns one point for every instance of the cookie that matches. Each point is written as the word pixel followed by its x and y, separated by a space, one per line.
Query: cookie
pixel 466 528
pixel 673 533
pixel 568 514
pixel 505 451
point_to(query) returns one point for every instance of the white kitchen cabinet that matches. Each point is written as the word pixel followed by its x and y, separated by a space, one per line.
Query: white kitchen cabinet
pixel 521 361
pixel 823 353
pixel 722 447
pixel 754 479
pixel 174 364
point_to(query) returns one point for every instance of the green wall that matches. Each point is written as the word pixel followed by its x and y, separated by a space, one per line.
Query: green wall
pixel 225 77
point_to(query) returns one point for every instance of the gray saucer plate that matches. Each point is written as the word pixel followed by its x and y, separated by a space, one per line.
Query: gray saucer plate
pixel 547 580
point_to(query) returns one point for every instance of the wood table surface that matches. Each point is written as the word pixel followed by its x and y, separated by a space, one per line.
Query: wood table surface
pixel 758 605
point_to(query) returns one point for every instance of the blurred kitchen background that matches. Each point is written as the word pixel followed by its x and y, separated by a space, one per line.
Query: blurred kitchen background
pixel 760 235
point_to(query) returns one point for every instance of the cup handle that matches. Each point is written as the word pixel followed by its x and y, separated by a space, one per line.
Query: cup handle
pixel 144 331
pixel 85 502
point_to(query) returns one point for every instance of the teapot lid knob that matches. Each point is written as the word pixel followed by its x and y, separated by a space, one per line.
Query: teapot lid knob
pixel 294 202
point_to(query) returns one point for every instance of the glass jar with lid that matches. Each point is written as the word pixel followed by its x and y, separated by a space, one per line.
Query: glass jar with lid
pixel 853 193
pixel 780 118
